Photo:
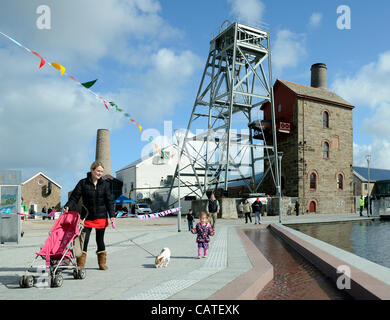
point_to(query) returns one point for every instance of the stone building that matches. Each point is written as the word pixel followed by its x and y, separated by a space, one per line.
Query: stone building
pixel 314 132
pixel 40 191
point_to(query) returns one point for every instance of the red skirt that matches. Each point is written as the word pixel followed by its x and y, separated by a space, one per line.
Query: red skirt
pixel 97 223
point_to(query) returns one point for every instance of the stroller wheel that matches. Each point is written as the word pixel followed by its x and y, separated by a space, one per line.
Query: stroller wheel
pixel 28 281
pixel 75 274
pixel 21 281
pixel 82 274
pixel 58 280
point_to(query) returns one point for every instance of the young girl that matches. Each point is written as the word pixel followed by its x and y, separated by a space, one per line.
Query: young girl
pixel 203 230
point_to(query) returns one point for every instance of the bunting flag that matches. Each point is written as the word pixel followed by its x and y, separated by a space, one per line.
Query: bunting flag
pixel 42 60
pixel 58 67
pixel 87 85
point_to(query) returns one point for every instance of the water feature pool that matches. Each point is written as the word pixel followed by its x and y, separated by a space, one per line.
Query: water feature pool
pixel 295 278
pixel 367 239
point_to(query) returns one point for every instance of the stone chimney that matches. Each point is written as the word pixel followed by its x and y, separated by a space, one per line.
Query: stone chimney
pixel 318 76
pixel 103 149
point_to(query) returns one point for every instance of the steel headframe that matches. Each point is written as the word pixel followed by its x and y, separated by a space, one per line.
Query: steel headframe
pixel 237 80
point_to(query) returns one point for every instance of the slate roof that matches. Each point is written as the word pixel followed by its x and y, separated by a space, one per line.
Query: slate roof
pixel 316 93
pixel 375 174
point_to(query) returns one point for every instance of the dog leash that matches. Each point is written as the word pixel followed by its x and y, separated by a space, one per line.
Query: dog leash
pixel 114 227
pixel 142 248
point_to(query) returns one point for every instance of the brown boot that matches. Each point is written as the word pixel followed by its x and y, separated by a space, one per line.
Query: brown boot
pixel 102 255
pixel 81 260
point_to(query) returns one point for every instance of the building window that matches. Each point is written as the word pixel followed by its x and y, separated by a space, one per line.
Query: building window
pixel 325 149
pixel 40 182
pixel 279 107
pixel 325 119
pixel 365 187
pixel 340 181
pixel 313 181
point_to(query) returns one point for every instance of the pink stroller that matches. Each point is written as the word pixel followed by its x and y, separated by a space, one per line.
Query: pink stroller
pixel 59 253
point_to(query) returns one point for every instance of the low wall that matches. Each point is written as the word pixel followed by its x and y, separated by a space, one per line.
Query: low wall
pixel 251 283
pixel 328 259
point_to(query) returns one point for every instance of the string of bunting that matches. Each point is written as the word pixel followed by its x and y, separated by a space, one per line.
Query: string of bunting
pixel 87 85
pixel 159 214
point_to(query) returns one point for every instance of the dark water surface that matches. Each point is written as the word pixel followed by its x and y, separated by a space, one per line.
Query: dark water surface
pixel 367 239
pixel 294 277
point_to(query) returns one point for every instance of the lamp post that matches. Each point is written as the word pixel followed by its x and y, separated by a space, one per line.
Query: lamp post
pixel 368 158
pixel 280 155
pixel 178 178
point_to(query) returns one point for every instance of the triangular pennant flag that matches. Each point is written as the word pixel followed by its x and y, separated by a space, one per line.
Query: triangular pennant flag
pixel 74 79
pixel 58 67
pixel 42 60
pixel 89 84
pixel 105 103
pixel 140 127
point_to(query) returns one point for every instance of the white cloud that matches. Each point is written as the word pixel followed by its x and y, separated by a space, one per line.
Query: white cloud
pixel 369 86
pixel 288 50
pixel 379 150
pixel 49 122
pixel 315 19
pixel 162 86
pixel 247 11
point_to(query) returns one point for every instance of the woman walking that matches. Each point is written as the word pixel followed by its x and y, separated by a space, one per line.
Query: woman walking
pixel 97 198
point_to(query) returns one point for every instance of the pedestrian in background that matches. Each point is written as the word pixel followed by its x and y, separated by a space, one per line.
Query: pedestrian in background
pixel 297 208
pixel 240 209
pixel 361 205
pixel 190 220
pixel 256 208
pixel 212 210
pixel 247 209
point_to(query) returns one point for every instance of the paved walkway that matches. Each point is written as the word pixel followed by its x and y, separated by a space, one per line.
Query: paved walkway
pixel 131 273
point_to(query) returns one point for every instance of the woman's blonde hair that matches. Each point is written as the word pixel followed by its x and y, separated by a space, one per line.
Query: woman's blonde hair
pixel 96 164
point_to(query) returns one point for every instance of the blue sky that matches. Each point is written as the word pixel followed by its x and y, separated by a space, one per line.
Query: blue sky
pixel 148 57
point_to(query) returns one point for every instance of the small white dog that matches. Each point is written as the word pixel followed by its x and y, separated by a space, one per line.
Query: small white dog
pixel 162 260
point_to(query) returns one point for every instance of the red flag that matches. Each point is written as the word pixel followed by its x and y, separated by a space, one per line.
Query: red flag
pixel 42 60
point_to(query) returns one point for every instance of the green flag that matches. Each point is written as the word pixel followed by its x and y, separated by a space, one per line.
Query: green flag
pixel 89 84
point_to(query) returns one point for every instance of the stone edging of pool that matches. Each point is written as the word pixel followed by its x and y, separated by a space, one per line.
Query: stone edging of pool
pixel 248 285
pixel 372 283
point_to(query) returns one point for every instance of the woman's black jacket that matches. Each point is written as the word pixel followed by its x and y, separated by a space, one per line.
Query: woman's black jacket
pixel 98 200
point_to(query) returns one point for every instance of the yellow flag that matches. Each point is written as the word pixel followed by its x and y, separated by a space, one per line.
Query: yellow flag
pixel 58 67
pixel 140 128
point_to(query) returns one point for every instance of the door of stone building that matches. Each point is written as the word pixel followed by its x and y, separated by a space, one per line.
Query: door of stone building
pixel 312 207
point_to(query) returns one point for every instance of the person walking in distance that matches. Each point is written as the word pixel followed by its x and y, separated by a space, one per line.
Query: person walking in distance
pixel 256 208
pixel 190 220
pixel 297 208
pixel 97 198
pixel 247 209
pixel 212 210
pixel 361 205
